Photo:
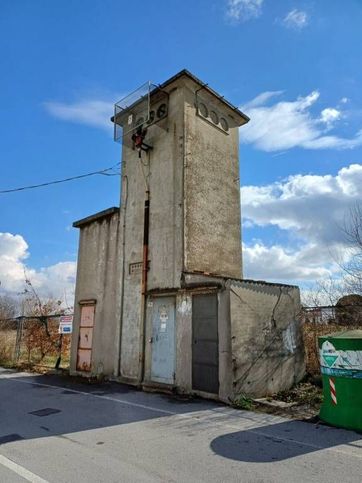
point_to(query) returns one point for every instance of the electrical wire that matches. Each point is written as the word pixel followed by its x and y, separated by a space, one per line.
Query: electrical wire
pixel 102 172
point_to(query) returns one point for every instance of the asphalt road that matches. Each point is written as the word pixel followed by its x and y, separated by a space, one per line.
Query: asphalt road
pixel 55 430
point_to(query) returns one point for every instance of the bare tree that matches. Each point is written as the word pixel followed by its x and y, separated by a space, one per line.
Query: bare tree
pixel 330 290
pixel 349 310
pixel 325 292
pixel 40 337
pixel 8 307
pixel 352 230
pixel 34 305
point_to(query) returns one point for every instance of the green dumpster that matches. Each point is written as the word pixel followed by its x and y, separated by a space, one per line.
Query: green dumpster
pixel 341 368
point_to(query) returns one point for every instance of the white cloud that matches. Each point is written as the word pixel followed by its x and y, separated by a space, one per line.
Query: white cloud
pixel 92 112
pixel 262 98
pixel 13 252
pixel 289 124
pixel 312 206
pixel 296 19
pixel 330 115
pixel 276 262
pixel 53 281
pixel 312 210
pixel 242 10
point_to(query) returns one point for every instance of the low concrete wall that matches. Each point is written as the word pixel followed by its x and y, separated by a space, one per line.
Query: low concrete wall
pixel 266 337
pixel 98 278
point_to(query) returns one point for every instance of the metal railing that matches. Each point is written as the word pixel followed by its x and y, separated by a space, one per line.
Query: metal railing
pixel 344 315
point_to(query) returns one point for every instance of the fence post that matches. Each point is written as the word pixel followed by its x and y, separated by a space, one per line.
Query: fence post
pixel 57 364
pixel 19 333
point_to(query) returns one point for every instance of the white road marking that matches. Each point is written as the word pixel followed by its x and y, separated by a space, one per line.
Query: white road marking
pixel 21 471
pixel 191 415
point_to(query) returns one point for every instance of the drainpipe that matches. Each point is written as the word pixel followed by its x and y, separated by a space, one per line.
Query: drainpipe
pixel 144 287
pixel 123 206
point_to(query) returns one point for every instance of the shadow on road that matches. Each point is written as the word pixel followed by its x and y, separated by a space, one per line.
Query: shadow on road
pixel 42 406
pixel 281 441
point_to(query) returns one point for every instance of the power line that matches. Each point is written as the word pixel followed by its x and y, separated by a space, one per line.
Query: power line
pixel 103 172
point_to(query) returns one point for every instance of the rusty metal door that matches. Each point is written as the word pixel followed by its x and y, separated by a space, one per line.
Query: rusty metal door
pixel 205 343
pixel 163 340
pixel 84 355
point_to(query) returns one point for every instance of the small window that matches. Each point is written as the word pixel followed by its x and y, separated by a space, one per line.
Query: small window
pixel 162 111
pixel 151 117
pixel 203 110
pixel 214 117
pixel 224 124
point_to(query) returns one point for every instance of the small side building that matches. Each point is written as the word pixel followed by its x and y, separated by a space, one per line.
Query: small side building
pixel 160 298
pixel 97 294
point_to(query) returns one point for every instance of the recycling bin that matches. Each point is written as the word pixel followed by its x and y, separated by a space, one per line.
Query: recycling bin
pixel 341 368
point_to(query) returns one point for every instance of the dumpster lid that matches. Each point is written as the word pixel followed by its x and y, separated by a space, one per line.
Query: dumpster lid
pixel 345 334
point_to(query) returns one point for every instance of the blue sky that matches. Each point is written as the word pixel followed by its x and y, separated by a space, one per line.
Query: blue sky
pixel 293 66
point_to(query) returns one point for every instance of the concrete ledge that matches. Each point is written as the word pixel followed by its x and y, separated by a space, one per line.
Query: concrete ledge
pixel 130 381
pixel 208 395
pixel 275 403
pixel 150 386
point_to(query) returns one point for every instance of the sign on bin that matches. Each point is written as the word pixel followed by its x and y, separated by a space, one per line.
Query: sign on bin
pixel 337 362
pixel 65 324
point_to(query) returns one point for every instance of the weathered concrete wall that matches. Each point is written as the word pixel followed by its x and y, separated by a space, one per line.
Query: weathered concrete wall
pixel 184 342
pixel 160 172
pixel 267 344
pixel 166 203
pixel 260 340
pixel 212 192
pixel 192 177
pixel 98 278
pixel 132 209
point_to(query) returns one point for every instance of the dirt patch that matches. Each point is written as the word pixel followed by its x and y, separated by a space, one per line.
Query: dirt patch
pixel 303 400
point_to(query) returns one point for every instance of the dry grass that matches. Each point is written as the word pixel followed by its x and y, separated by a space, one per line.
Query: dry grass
pixel 7 345
pixel 37 350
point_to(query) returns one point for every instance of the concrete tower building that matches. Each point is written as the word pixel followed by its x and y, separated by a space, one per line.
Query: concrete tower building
pixel 160 299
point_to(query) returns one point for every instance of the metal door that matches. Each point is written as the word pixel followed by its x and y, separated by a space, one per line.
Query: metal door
pixel 205 344
pixel 163 340
pixel 84 354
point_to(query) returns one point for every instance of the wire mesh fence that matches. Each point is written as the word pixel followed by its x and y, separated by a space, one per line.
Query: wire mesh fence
pixel 342 315
pixel 34 342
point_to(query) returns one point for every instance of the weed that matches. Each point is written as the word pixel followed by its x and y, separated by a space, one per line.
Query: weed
pixel 243 402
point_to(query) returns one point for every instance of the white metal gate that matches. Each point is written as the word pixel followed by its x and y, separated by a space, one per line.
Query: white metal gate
pixel 163 340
